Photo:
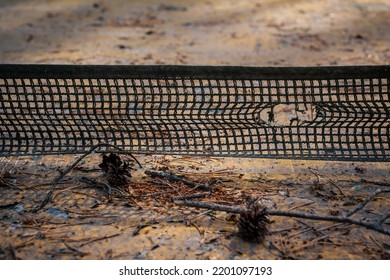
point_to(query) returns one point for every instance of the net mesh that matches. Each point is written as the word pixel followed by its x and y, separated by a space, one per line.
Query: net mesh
pixel 329 113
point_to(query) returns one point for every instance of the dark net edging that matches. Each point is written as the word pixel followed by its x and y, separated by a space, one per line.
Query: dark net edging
pixel 325 113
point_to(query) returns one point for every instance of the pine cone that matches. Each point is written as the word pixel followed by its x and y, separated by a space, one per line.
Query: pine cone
pixel 117 169
pixel 252 225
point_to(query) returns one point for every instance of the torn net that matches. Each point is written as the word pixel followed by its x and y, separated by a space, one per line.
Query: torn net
pixel 325 113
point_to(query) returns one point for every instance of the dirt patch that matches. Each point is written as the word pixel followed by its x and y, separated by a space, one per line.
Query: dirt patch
pixel 257 33
pixel 141 221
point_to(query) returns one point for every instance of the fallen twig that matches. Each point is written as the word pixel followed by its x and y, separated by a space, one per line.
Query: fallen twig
pixel 305 246
pixel 340 219
pixel 310 228
pixel 301 205
pixel 328 180
pixel 162 184
pixel 383 184
pixel 201 215
pixel 383 219
pixel 376 243
pixel 175 178
pixel 367 200
pixel 271 246
pixel 241 210
pixel 189 196
pixel 213 206
pixel 192 223
pixel 64 190
pixel 337 186
pixel 95 184
pixel 81 253
pixel 99 239
pixel 9 205
pixel 48 197
pixel 109 190
pixel 144 225
pixel 4 183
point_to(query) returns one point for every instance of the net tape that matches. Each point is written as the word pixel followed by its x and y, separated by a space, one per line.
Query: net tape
pixel 325 113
